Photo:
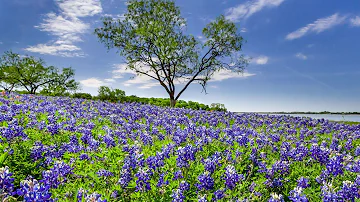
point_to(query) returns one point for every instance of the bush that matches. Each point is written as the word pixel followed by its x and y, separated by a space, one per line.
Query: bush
pixel 82 96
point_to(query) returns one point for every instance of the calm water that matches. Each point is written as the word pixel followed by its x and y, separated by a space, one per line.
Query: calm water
pixel 332 117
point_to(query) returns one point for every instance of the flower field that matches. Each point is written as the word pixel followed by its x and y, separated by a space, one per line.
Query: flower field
pixel 79 150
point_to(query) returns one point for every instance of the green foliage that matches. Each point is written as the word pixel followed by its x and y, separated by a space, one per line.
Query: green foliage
pixel 153 40
pixel 218 107
pixel 112 95
pixel 32 74
pixel 82 96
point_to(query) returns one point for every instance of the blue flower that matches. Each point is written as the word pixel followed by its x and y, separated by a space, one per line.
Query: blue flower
pixel 177 175
pixel 161 181
pixel 231 177
pixel 143 178
pixel 185 155
pixel 6 181
pixel 349 191
pixel 335 166
pixel 303 182
pixel 177 195
pixel 184 186
pixel 104 173
pixel 32 190
pixel 296 195
pixel 206 181
pixel 219 194
pixel 56 175
pixel 276 198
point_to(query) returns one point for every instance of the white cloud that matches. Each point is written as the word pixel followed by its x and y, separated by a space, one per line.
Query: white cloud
pixel 110 80
pixel 144 81
pixel 1 42
pixel 207 19
pixel 261 60
pixel 66 27
pixel 80 8
pixel 120 70
pixel 301 56
pixel 243 30
pixel 228 74
pixel 355 21
pixel 318 26
pixel 92 82
pixel 115 17
pixel 149 85
pixel 202 39
pixel 247 9
pixel 310 45
pixel 64 50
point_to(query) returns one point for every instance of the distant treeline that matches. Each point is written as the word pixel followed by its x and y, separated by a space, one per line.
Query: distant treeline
pixel 117 95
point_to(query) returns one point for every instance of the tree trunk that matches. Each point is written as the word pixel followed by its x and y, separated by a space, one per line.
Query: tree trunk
pixel 32 90
pixel 172 102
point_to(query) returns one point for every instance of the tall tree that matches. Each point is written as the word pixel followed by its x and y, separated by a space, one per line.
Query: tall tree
pixel 153 40
pixel 32 74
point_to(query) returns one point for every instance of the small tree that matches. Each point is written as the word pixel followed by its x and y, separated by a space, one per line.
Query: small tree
pixel 218 107
pixel 32 74
pixel 153 41
pixel 105 93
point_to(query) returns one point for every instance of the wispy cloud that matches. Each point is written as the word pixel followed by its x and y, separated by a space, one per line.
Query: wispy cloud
pixel 92 82
pixel 201 39
pixel 247 9
pixel 228 74
pixel 355 21
pixel 110 80
pixel 243 30
pixel 301 56
pixel 120 70
pixel 207 19
pixel 317 26
pixel 310 78
pixel 310 45
pixel 261 60
pixel 67 27
pixel 1 42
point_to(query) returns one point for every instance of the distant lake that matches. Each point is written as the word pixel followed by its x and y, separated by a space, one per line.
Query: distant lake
pixel 332 117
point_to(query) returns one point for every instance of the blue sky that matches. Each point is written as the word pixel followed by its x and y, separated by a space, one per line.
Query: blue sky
pixel 305 53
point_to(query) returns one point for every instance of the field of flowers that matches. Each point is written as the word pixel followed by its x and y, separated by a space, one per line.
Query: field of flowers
pixel 79 150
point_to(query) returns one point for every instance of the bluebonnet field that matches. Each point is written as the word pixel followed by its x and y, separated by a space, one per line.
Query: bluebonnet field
pixel 79 150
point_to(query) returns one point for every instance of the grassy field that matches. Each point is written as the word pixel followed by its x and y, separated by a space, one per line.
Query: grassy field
pixel 79 150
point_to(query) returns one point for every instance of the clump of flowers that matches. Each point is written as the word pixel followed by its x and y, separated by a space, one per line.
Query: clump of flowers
pixel 232 177
pixel 6 181
pixel 32 190
pixel 206 181
pixel 276 197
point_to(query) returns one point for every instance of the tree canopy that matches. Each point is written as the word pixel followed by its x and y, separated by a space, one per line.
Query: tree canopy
pixel 154 42
pixel 32 74
pixel 105 93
